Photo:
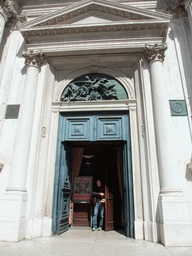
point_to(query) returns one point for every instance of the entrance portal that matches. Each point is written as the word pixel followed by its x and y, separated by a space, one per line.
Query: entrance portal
pixel 96 146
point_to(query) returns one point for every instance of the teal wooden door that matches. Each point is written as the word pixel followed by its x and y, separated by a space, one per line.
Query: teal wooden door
pixel 61 200
pixel 107 126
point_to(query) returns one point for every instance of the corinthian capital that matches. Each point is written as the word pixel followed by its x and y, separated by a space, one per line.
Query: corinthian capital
pixel 10 12
pixel 155 52
pixel 34 58
pixel 8 9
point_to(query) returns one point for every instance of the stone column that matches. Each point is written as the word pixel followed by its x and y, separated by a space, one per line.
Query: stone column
pixel 164 130
pixel 175 220
pixel 187 4
pixel 22 142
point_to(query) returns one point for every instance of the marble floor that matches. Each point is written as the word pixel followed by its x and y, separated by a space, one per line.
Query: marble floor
pixel 84 242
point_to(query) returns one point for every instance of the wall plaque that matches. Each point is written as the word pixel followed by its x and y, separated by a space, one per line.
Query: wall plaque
pixel 83 187
pixel 12 112
pixel 178 107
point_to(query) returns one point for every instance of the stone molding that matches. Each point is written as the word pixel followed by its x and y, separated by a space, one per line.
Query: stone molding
pixel 107 28
pixel 76 9
pixel 133 19
pixel 155 52
pixel 34 58
pixel 9 11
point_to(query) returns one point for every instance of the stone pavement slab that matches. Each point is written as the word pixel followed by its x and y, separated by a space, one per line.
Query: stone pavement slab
pixel 82 242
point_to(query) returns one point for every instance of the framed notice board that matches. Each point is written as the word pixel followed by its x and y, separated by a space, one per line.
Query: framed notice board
pixel 83 187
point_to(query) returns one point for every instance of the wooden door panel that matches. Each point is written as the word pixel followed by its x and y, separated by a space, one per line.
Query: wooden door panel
pixel 81 214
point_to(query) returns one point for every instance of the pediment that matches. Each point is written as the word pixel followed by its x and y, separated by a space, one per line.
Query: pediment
pixel 93 12
pixel 95 24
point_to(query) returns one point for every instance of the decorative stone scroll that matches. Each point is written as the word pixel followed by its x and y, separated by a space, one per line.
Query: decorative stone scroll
pixel 155 52
pixel 94 87
pixel 34 58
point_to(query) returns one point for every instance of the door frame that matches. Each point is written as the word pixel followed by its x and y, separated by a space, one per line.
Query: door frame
pixel 61 174
pixel 128 105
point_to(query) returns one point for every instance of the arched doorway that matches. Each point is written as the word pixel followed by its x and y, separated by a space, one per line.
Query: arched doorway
pixel 103 135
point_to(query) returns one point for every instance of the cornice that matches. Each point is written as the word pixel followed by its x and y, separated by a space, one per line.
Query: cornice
pixel 48 31
pixel 34 11
pixel 63 14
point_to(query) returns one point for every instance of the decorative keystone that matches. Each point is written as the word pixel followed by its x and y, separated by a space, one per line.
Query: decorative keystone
pixel 155 52
pixel 34 58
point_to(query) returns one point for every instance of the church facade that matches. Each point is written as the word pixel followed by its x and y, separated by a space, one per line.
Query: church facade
pixel 96 89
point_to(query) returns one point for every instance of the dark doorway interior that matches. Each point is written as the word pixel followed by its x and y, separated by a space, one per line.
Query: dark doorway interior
pixel 102 160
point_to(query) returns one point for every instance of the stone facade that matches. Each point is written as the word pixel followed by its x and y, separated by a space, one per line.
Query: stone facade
pixel 146 46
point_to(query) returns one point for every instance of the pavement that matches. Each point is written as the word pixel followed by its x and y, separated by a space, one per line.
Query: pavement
pixel 84 242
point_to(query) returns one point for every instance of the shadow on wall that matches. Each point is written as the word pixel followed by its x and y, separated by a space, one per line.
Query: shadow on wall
pixel 188 174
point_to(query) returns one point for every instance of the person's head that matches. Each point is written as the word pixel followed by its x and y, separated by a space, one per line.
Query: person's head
pixel 98 182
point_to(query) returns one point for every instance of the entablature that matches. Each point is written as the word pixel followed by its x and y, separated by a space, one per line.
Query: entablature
pixel 95 25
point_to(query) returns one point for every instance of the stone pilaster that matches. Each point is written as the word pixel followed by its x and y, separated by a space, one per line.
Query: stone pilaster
pixel 174 209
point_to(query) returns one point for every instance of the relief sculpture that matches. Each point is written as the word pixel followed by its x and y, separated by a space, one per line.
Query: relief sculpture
pixel 90 88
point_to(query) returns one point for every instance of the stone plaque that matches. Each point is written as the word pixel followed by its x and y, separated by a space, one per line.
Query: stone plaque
pixel 178 107
pixel 12 112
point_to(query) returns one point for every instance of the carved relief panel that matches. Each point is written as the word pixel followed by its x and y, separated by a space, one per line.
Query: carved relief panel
pixel 93 87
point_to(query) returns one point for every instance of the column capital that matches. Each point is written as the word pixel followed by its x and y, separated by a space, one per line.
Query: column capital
pixel 9 11
pixel 154 52
pixel 33 58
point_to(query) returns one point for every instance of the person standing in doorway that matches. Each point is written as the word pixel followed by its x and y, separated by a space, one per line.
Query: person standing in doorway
pixel 98 193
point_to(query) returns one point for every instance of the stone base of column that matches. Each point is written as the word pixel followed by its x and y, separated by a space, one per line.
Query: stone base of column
pixel 12 217
pixel 175 220
pixel 37 227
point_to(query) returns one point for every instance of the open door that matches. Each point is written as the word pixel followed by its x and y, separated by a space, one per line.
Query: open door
pixel 109 221
pixel 62 190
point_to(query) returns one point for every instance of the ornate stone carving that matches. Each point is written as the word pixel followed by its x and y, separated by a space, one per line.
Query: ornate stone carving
pixel 34 58
pixel 155 52
pixel 10 12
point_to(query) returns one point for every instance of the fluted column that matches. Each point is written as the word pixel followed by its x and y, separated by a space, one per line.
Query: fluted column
pixel 21 149
pixel 164 130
